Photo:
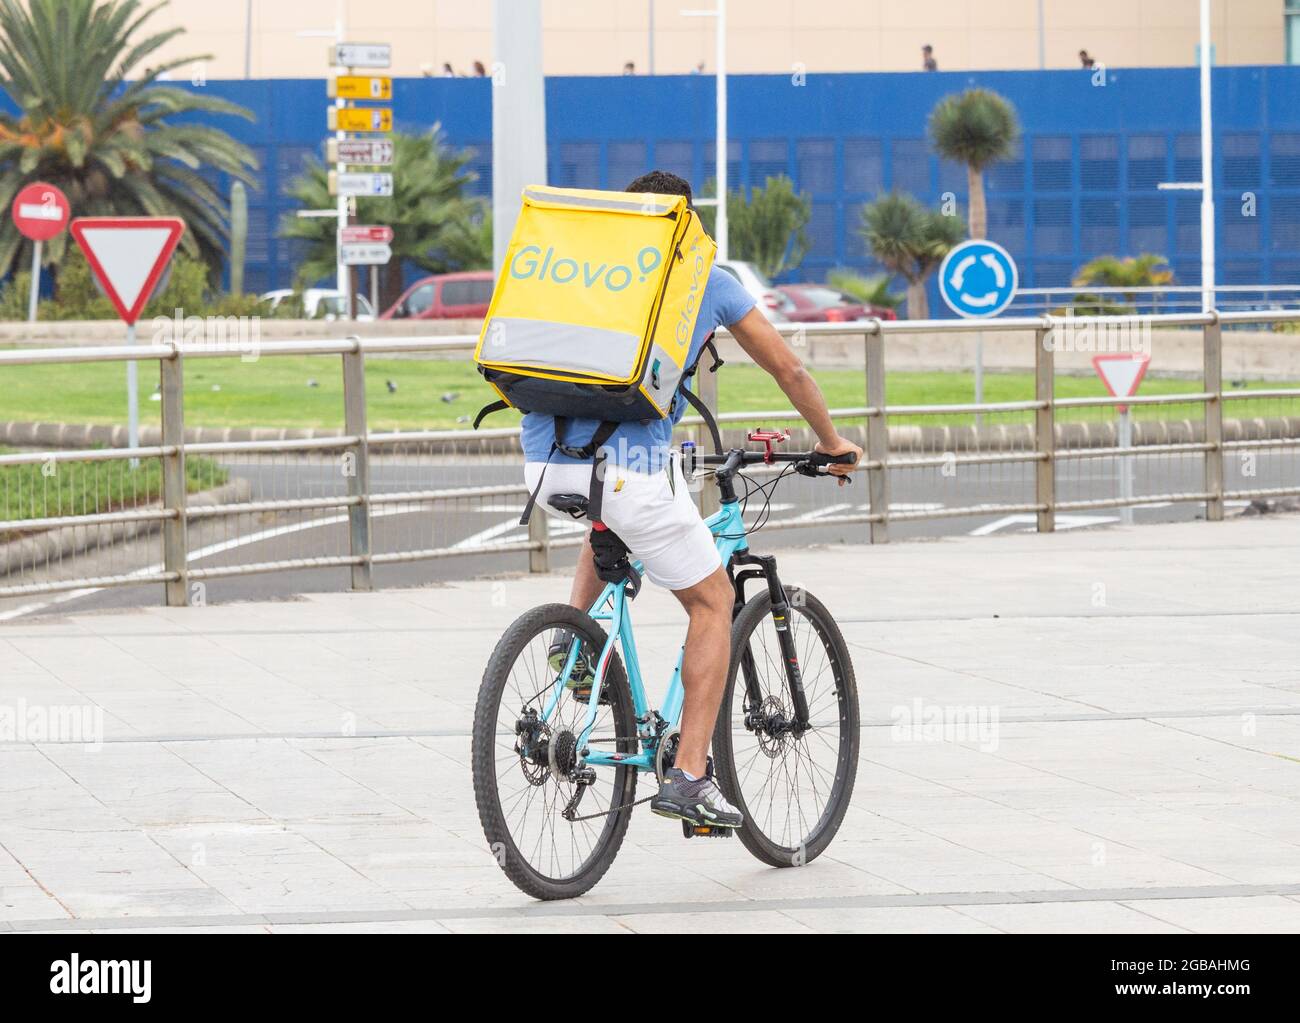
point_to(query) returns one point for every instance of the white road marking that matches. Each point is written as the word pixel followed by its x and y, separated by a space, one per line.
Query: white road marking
pixel 202 552
pixel 1063 522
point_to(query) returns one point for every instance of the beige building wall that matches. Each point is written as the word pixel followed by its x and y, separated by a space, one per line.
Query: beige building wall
pixel 595 37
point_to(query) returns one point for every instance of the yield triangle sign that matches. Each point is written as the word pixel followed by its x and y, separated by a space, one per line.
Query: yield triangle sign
pixel 1121 373
pixel 128 256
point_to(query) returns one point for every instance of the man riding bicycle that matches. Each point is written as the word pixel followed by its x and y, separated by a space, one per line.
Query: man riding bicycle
pixel 645 501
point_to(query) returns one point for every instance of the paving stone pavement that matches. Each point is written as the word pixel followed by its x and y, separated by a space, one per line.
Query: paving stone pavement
pixel 303 765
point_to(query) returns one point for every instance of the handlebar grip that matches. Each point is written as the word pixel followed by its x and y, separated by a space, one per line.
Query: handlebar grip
pixel 848 458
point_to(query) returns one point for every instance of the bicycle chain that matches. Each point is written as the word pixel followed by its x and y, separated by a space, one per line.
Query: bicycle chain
pixel 606 813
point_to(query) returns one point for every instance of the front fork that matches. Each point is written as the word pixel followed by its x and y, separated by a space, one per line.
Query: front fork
pixel 785 637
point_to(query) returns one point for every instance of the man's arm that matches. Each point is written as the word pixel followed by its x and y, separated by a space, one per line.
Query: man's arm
pixel 768 349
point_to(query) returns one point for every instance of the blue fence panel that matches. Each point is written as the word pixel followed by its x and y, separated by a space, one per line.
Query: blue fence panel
pixel 1082 181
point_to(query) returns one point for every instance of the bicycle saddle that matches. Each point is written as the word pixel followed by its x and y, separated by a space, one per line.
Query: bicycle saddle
pixel 574 505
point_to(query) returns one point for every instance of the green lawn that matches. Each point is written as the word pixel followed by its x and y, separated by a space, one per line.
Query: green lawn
pixel 84 488
pixel 275 391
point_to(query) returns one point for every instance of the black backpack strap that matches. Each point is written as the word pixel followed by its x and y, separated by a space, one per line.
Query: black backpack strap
pixel 589 450
pixel 596 494
pixel 488 409
pixel 692 399
pixel 697 403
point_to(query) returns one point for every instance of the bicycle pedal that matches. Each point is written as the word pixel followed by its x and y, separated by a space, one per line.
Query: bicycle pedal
pixel 690 830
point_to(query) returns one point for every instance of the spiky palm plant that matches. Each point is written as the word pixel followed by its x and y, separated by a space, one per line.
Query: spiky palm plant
pixel 911 241
pixel 976 127
pixel 1136 272
pixel 95 121
pixel 435 225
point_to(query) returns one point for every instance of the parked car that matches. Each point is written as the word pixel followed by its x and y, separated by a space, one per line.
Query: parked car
pixel 817 303
pixel 464 295
pixel 753 280
pixel 320 303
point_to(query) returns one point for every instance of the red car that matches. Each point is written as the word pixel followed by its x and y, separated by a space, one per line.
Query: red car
pixel 818 303
pixel 445 297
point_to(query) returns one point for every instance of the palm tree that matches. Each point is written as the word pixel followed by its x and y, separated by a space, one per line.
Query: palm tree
pixel 909 240
pixel 976 127
pixel 96 123
pixel 435 225
pixel 1139 273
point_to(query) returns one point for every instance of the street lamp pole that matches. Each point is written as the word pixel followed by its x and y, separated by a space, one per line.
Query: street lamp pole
pixel 1207 167
pixel 720 224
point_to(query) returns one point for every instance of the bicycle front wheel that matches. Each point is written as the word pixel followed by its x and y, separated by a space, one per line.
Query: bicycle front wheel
pixel 793 787
pixel 524 759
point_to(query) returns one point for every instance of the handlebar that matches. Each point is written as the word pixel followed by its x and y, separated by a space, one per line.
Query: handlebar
pixel 808 463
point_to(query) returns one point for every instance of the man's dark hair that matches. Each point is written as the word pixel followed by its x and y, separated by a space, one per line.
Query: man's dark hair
pixel 661 183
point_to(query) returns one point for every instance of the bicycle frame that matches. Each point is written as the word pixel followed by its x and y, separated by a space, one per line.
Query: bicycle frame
pixel 613 607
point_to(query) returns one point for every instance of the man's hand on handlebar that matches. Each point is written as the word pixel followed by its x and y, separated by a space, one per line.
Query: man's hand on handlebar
pixel 839 448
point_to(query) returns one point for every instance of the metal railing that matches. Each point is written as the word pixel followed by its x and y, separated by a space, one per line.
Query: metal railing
pixel 358 448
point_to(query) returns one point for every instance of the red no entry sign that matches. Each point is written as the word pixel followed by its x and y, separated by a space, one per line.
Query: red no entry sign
pixel 40 211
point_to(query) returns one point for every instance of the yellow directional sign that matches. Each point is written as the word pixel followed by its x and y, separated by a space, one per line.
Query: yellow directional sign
pixel 361 119
pixel 361 87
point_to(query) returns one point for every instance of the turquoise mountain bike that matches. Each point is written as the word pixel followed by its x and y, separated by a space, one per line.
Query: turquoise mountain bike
pixel 555 763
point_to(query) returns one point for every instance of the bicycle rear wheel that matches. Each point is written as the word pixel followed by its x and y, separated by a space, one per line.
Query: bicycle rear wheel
pixel 521 764
pixel 793 789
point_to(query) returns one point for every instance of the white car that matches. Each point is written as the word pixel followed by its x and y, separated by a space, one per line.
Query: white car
pixel 321 303
pixel 752 279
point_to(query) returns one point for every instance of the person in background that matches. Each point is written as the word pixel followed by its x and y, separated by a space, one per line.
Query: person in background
pixel 479 70
pixel 447 71
pixel 629 68
pixel 927 58
pixel 1085 60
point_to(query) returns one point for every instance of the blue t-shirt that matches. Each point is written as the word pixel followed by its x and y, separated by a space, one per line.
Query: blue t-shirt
pixel 643 446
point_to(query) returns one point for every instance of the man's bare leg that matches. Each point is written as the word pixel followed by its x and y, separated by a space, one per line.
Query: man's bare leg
pixel 704 663
pixel 586 584
pixel 704 666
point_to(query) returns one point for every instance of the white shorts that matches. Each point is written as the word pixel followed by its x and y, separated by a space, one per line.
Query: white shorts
pixel 653 514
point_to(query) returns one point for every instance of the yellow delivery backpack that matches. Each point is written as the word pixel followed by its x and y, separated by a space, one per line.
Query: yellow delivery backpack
pixel 594 310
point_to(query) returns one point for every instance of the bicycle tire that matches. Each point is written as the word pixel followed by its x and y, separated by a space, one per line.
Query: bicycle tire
pixel 734 776
pixel 486 755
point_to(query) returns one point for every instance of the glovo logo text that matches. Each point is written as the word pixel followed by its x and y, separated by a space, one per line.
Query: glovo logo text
pixel 531 262
pixel 687 318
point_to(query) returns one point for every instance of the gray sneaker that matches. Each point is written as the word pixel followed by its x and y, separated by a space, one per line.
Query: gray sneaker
pixel 697 802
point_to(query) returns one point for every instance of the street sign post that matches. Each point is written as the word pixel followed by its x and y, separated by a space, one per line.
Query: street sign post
pixel 978 279
pixel 359 234
pixel 361 55
pixel 40 212
pixel 1122 374
pixel 360 152
pixel 128 256
pixel 345 152
pixel 361 87
pixel 366 254
pixel 361 119
pixel 378 185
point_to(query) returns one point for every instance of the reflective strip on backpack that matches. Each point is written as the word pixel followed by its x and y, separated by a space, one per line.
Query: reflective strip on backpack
pixel 644 205
pixel 562 347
